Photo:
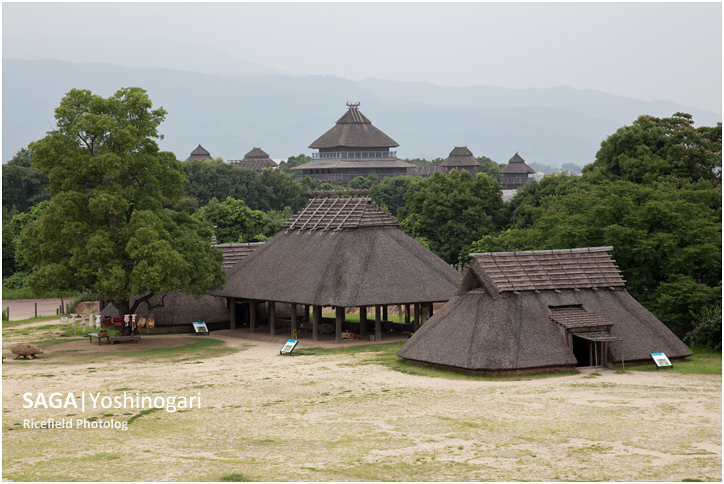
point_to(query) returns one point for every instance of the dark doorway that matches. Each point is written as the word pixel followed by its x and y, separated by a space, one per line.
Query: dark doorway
pixel 583 351
pixel 242 315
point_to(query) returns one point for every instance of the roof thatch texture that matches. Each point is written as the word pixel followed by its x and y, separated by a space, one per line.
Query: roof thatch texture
pixel 257 159
pixel 199 154
pixel 344 252
pixel 494 326
pixel 234 253
pixel 460 156
pixel 353 130
pixel 516 165
pixel 344 164
pixel 424 171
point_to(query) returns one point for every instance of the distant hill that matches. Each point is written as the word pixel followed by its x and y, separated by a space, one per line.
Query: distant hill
pixel 282 114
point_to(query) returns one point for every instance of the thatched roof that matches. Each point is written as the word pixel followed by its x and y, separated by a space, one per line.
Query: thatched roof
pixel 460 156
pixel 520 322
pixel 516 165
pixel 424 171
pixel 234 253
pixel 342 164
pixel 257 159
pixel 354 130
pixel 199 154
pixel 342 252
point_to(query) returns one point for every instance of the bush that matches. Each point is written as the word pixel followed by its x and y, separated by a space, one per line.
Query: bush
pixel 15 281
pixel 707 330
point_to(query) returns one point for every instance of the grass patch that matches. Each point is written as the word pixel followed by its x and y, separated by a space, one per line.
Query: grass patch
pixel 236 477
pixel 702 362
pixel 18 322
pixel 141 414
pixel 27 293
pixel 385 354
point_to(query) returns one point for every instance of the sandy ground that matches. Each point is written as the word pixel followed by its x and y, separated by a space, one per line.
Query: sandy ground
pixel 344 418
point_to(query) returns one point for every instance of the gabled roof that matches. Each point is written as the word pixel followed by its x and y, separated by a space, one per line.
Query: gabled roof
pixel 199 154
pixel 573 316
pixel 461 156
pixel 343 252
pixel 516 165
pixel 354 130
pixel 234 253
pixel 585 268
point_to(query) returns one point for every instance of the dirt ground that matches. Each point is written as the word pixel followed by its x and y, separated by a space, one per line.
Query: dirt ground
pixel 263 416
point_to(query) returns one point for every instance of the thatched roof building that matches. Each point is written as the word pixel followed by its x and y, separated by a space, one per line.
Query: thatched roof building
pixel 518 312
pixel 352 147
pixel 199 154
pixel 515 173
pixel 342 252
pixel 462 159
pixel 255 160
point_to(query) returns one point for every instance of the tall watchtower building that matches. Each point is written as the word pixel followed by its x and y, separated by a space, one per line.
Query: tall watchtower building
pixel 516 173
pixel 352 148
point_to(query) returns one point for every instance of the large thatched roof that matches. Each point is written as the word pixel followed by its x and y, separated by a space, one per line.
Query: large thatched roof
pixel 460 156
pixel 257 159
pixel 516 165
pixel 342 252
pixel 514 311
pixel 354 130
pixel 199 154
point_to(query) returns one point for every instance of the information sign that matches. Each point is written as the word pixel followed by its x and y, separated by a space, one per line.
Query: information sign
pixel 661 360
pixel 200 328
pixel 64 319
pixel 288 347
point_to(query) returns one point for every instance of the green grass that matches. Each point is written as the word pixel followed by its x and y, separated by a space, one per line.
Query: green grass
pixel 384 354
pixel 10 324
pixel 702 362
pixel 236 477
pixel 354 317
pixel 26 293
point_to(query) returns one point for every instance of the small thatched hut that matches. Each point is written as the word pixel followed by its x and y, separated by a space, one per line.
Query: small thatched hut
pixel 340 252
pixel 516 173
pixel 462 159
pixel 552 310
pixel 199 154
pixel 257 159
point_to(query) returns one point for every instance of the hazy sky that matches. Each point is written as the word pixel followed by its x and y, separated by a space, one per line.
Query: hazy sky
pixel 649 51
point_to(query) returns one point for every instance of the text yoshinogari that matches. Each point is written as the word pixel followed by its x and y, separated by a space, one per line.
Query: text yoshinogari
pixel 95 401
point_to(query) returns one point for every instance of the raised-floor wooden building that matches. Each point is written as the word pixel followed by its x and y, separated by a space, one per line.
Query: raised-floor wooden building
pixel 257 159
pixel 199 154
pixel 516 173
pixel 462 159
pixel 352 148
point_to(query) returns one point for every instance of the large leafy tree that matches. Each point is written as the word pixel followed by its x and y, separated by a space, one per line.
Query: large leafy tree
pixel 449 211
pixel 654 148
pixel 209 179
pixel 108 226
pixel 23 185
pixel 283 190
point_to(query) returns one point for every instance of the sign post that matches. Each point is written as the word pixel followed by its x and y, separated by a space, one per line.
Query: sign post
pixel 201 328
pixel 661 360
pixel 288 347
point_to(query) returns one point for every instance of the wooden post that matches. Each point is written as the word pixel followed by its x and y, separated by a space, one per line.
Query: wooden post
pixel 416 325
pixel 429 309
pixel 316 319
pixel 252 316
pixel 293 318
pixel 306 313
pixel 232 313
pixel 378 324
pixel 338 324
pixel 384 313
pixel 363 322
pixel 272 310
pixel 36 310
pixel 407 313
pixel 623 367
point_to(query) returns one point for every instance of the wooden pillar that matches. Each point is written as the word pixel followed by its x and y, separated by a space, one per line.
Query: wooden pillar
pixel 306 313
pixel 252 316
pixel 363 322
pixel 316 319
pixel 293 318
pixel 384 313
pixel 378 324
pixel 429 309
pixel 272 312
pixel 338 325
pixel 416 324
pixel 407 313
pixel 232 313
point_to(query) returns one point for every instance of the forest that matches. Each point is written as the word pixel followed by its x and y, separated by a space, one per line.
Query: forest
pixel 97 193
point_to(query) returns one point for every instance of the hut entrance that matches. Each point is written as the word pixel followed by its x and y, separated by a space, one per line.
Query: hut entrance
pixel 242 314
pixel 591 348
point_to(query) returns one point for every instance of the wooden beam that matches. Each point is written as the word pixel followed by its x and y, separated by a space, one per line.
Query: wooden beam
pixel 293 318
pixel 363 322
pixel 272 311
pixel 378 323
pixel 338 324
pixel 232 313
pixel 252 316
pixel 316 319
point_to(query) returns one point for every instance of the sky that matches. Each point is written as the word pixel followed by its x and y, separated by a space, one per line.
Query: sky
pixel 648 51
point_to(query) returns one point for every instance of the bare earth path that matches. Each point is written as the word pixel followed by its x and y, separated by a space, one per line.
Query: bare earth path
pixel 342 418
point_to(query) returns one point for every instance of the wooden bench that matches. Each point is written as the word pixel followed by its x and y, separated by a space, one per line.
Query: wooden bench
pixel 100 337
pixel 125 339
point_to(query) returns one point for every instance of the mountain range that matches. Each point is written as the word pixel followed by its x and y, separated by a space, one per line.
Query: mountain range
pixel 229 113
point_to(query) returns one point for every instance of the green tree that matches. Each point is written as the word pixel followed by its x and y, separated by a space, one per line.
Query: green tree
pixel 653 148
pixel 209 179
pixel 233 220
pixel 108 226
pixel 452 210
pixel 283 190
pixel 489 167
pixel 292 161
pixel 23 186
pixel 390 192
